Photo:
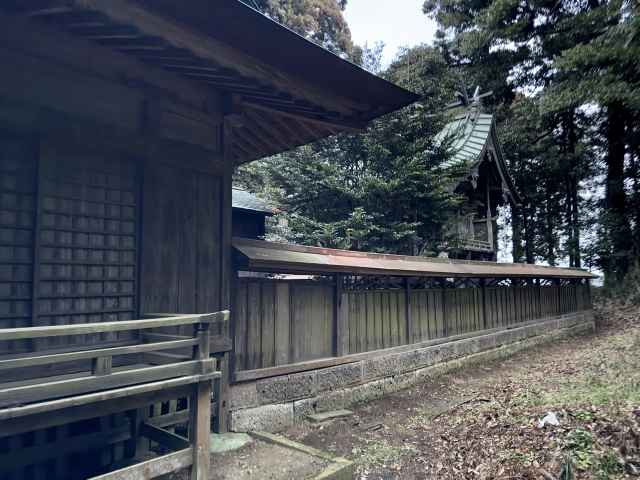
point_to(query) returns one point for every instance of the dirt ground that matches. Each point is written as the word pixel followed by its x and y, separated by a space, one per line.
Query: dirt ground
pixel 482 422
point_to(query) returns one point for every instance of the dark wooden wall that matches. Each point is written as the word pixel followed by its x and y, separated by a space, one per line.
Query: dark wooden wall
pixel 248 224
pixel 114 199
pixel 181 231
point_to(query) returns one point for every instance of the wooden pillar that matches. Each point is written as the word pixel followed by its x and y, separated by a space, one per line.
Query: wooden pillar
pixel 228 272
pixel 341 318
pixel 407 310
pixel 200 413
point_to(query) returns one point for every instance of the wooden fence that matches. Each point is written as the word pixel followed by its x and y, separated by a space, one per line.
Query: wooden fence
pixel 281 322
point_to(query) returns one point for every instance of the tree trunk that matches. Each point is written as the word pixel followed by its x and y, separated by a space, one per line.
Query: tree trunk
pixel 516 233
pixel 548 235
pixel 616 221
pixel 571 181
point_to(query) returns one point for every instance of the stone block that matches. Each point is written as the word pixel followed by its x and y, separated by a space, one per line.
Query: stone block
pixel 330 415
pixel 399 382
pixel 381 367
pixel 290 387
pixel 272 390
pixel 243 395
pixel 340 376
pixel 271 418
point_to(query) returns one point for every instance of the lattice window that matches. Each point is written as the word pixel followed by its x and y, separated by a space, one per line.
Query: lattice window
pixel 87 240
pixel 17 210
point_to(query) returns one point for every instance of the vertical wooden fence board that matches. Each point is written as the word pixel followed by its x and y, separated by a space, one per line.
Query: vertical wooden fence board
pixel 268 325
pixel 401 318
pixel 240 319
pixel 282 324
pixel 365 321
pixel 312 321
pixel 254 324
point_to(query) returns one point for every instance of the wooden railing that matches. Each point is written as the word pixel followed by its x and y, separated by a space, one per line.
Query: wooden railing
pixel 469 232
pixel 160 367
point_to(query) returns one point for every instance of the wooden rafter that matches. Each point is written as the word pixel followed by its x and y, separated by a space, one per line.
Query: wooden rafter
pixel 344 124
pixel 204 47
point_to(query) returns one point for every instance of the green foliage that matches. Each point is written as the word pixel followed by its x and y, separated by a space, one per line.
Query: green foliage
pixel 320 21
pixel 378 191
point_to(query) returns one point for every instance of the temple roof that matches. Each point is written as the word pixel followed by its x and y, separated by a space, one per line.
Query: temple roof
pixel 243 200
pixel 472 133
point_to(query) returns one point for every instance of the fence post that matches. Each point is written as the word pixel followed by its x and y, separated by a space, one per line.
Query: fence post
pixel 407 310
pixel 340 315
pixel 200 412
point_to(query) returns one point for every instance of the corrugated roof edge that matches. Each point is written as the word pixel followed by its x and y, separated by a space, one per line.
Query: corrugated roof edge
pixel 274 256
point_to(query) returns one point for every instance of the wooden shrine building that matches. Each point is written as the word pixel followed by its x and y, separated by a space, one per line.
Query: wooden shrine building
pixel 250 214
pixel 481 176
pixel 121 122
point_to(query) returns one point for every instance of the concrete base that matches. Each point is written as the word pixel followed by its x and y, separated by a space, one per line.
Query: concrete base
pixel 276 403
pixel 227 442
pixel 338 469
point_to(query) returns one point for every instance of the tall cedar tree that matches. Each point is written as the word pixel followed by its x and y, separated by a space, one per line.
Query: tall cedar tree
pixel 518 43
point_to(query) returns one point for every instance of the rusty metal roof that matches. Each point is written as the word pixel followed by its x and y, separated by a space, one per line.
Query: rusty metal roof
pixel 284 258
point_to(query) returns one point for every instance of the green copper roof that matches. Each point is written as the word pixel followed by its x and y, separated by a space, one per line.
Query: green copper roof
pixel 469 133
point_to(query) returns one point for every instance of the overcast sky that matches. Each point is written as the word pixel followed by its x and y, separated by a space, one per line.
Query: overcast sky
pixel 397 23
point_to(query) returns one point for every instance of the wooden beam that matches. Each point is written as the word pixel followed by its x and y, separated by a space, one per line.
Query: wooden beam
pixel 275 119
pixel 265 134
pixel 89 354
pixel 78 386
pixel 163 437
pixel 319 119
pixel 121 326
pixel 266 122
pixel 106 396
pixel 206 47
pixel 22 34
pixel 154 468
pixel 35 454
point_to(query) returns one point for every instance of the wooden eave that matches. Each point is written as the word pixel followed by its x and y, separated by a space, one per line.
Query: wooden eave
pixel 280 103
pixel 257 255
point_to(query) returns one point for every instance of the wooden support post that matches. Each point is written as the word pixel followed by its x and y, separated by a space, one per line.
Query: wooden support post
pixel 407 310
pixel 220 386
pixel 102 365
pixel 200 413
pixel 341 319
pixel 229 273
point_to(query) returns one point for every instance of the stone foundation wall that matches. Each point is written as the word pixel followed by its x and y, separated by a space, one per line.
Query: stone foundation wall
pixel 275 403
